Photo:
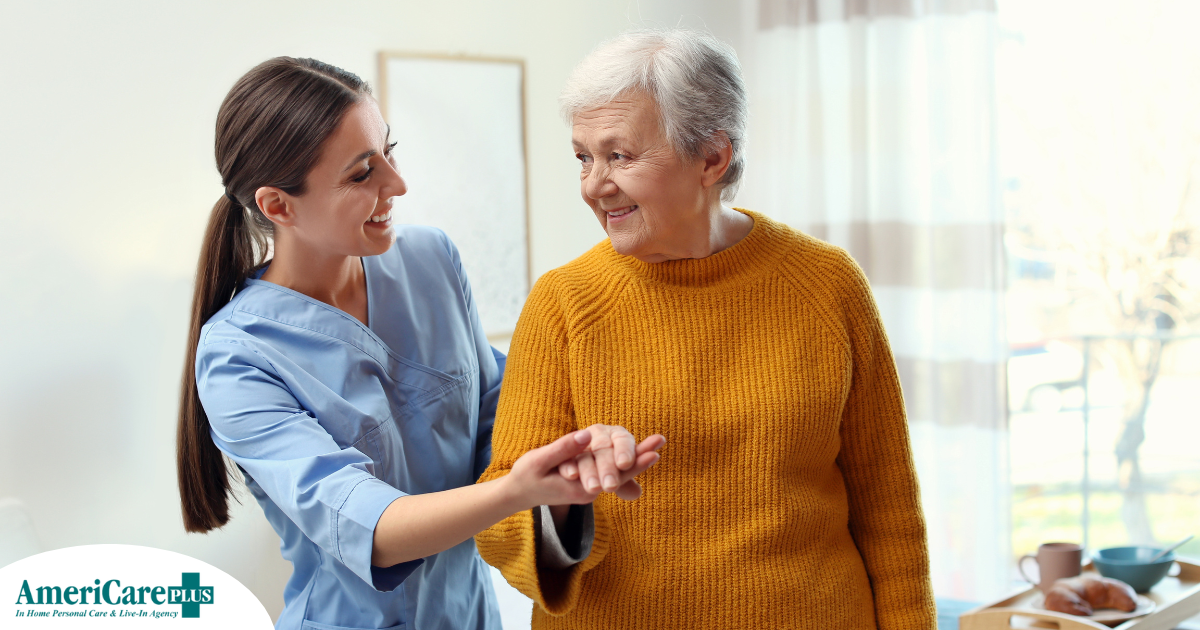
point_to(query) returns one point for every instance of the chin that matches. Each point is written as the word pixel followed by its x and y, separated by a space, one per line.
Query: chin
pixel 624 245
pixel 381 246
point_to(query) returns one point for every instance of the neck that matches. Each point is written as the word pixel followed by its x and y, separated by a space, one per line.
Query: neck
pixel 337 280
pixel 714 229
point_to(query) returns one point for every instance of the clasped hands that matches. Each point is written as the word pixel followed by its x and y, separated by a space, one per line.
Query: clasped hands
pixel 577 467
pixel 612 461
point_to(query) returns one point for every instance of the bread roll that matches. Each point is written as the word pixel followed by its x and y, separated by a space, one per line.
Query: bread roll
pixel 1084 594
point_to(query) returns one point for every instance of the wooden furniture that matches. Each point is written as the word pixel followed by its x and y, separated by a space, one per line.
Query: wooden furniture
pixel 1177 599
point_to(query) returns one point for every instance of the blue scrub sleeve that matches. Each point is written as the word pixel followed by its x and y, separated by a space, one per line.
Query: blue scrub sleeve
pixel 487 412
pixel 326 489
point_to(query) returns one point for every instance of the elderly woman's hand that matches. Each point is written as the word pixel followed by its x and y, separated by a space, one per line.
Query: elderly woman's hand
pixel 613 456
pixel 612 453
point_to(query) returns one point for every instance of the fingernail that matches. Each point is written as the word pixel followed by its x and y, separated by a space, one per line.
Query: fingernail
pixel 610 482
pixel 592 485
pixel 582 437
pixel 623 460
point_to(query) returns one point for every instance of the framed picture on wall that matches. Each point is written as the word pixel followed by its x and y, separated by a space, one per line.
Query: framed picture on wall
pixel 460 127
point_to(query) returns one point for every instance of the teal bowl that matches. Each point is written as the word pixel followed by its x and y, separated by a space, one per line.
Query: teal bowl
pixel 1132 565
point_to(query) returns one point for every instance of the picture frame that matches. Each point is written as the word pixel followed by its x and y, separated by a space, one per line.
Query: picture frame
pixel 460 126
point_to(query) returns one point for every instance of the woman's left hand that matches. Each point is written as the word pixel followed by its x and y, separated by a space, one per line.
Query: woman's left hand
pixel 612 450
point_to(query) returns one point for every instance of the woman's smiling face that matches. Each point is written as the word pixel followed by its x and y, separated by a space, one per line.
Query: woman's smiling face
pixel 346 207
pixel 648 200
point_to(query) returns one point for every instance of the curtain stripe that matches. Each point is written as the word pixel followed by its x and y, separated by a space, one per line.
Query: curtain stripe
pixel 796 13
pixel 953 393
pixel 943 325
pixel 927 256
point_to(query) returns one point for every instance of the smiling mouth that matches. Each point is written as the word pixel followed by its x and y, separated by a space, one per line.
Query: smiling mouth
pixel 381 218
pixel 620 212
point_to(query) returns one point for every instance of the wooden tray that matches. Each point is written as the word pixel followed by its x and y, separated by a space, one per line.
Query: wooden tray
pixel 1178 598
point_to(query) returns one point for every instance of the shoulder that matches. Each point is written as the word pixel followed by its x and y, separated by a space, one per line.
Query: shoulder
pixel 225 338
pixel 234 336
pixel 579 291
pixel 823 275
pixel 802 250
pixel 223 327
pixel 823 269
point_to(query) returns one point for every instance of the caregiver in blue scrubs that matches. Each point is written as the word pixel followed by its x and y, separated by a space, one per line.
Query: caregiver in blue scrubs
pixel 348 377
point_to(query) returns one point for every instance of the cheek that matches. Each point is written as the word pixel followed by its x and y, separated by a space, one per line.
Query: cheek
pixel 356 202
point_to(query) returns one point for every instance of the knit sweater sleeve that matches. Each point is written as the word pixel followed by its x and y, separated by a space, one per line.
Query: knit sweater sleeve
pixel 535 409
pixel 886 520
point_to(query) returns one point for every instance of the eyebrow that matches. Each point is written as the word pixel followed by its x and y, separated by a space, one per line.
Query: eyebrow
pixel 369 154
pixel 361 156
pixel 604 142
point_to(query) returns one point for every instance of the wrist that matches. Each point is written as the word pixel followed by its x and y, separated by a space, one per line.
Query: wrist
pixel 509 495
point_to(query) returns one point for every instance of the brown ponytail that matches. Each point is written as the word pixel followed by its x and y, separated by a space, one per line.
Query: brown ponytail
pixel 270 130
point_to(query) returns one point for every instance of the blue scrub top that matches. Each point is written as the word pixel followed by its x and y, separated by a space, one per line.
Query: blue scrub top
pixel 331 421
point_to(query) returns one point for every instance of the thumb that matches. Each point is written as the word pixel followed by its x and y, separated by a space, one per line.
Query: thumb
pixel 564 448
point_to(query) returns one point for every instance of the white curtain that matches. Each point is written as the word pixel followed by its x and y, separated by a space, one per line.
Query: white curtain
pixel 873 127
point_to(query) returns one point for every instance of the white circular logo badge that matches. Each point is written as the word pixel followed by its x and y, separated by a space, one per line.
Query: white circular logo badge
pixel 123 586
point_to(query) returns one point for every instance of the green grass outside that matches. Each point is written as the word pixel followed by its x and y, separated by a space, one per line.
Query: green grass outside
pixel 1044 515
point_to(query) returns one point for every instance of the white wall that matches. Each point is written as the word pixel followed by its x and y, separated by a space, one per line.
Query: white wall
pixel 107 177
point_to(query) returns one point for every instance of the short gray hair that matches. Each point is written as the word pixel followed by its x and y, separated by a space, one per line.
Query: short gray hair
pixel 693 77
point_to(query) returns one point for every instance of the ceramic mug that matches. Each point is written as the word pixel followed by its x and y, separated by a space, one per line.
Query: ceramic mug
pixel 1055 560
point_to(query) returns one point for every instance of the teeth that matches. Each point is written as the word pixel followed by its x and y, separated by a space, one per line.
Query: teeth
pixel 623 213
pixel 382 217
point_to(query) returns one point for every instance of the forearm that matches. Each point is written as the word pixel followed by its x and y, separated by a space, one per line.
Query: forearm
pixel 421 525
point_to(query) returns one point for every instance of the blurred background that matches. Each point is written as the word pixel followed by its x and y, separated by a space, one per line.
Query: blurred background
pixel 1018 179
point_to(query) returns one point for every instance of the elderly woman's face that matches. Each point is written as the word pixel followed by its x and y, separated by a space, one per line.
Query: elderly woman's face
pixel 648 200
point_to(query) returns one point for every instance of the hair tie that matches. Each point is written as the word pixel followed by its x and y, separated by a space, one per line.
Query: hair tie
pixel 232 198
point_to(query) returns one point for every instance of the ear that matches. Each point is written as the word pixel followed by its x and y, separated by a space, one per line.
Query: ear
pixel 716 161
pixel 276 205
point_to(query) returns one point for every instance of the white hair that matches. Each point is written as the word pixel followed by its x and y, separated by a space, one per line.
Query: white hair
pixel 693 78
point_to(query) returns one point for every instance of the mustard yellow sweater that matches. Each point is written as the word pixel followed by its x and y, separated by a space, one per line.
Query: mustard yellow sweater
pixel 786 495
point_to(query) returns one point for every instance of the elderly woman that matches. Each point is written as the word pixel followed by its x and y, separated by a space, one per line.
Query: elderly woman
pixel 788 497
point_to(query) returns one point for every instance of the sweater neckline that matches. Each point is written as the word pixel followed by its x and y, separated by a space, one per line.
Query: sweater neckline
pixel 746 260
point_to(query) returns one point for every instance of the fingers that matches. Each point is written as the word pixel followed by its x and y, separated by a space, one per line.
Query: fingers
pixel 607 460
pixel 624 446
pixel 643 463
pixel 630 490
pixel 588 476
pixel 652 443
pixel 614 449
pixel 569 470
pixel 606 469
pixel 561 450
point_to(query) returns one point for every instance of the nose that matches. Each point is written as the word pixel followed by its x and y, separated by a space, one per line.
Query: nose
pixel 597 184
pixel 394 186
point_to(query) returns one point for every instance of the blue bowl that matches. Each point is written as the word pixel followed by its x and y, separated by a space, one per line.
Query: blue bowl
pixel 1132 565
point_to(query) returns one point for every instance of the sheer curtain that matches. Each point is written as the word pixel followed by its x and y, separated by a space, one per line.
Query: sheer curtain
pixel 873 128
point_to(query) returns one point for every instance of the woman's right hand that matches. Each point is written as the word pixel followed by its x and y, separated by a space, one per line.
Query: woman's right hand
pixel 536 479
pixel 611 451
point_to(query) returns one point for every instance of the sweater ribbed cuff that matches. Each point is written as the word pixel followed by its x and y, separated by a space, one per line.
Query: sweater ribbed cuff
pixel 575 544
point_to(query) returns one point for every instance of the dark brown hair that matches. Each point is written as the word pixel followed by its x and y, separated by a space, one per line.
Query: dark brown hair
pixel 270 130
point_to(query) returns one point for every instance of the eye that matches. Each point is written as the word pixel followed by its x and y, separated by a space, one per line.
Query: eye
pixel 583 157
pixel 387 153
pixel 362 178
pixel 619 156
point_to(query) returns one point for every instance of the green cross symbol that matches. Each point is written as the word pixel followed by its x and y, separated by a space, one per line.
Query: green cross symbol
pixel 190 595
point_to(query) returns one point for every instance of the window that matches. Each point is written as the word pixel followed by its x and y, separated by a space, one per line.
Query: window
pixel 1099 140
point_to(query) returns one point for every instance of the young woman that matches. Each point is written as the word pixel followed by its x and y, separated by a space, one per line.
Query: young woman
pixel 348 377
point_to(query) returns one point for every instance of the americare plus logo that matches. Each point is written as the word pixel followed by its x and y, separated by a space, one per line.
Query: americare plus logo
pixel 189 596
